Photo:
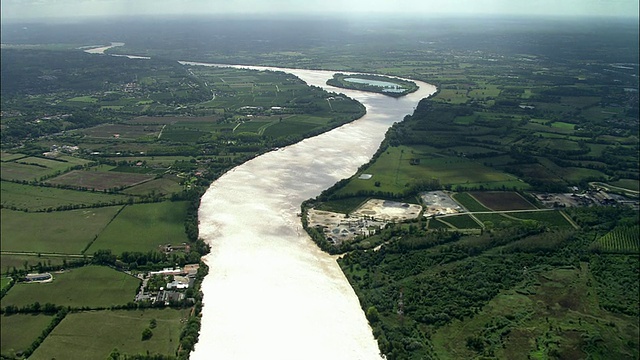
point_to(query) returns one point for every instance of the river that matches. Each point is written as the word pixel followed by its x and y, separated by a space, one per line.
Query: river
pixel 270 292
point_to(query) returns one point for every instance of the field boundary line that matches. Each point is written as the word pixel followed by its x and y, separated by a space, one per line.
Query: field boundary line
pixel 98 234
pixel 566 217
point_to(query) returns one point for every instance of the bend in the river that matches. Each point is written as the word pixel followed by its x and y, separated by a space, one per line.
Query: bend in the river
pixel 270 292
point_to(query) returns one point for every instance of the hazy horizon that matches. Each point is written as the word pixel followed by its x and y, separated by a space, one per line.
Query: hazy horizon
pixel 58 10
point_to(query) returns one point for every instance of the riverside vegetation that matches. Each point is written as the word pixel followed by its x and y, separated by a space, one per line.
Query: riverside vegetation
pixel 518 110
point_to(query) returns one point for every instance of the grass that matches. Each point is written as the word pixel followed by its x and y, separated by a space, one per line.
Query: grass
pixel 84 99
pixel 91 286
pixel 78 337
pixel 550 218
pixel 19 331
pixel 166 185
pixel 62 232
pixel 36 198
pixel 467 201
pixel 143 227
pixel 123 131
pixel 5 156
pixel 99 180
pixel 5 281
pixel 495 219
pixel 461 221
pixel 394 172
pixel 9 261
pixel 343 206
pixel 627 184
pixel 20 172
pixel 437 224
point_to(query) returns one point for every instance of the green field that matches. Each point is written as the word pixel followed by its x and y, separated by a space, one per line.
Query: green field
pixel 143 227
pixel 549 218
pixel 39 198
pixel 34 168
pixel 393 172
pixel 461 222
pixel 91 286
pixel 166 185
pixel 19 331
pixel 9 261
pixel 471 204
pixel 5 156
pixel 62 232
pixel 621 240
pixel 84 99
pixel 5 281
pixel 343 206
pixel 627 184
pixel 79 337
pixel 437 224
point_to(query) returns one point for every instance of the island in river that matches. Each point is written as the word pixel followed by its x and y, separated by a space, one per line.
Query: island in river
pixel 374 83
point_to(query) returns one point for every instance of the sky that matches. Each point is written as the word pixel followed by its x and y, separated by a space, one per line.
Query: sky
pixel 17 10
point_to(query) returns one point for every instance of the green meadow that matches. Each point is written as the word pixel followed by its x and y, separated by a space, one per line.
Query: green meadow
pixel 143 227
pixel 90 286
pixel 79 337
pixel 19 331
pixel 62 232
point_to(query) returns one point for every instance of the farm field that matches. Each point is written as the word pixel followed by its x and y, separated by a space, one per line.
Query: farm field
pixel 119 329
pixel 469 202
pixel 19 331
pixel 502 200
pixel 35 168
pixel 40 198
pixel 627 184
pixel 99 180
pixel 621 240
pixel 143 227
pixel 122 131
pixel 461 222
pixel 18 261
pixel 393 172
pixel 88 286
pixel 6 156
pixel 168 184
pixel 61 232
pixel 550 218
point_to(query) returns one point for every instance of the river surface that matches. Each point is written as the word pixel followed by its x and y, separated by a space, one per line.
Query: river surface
pixel 270 292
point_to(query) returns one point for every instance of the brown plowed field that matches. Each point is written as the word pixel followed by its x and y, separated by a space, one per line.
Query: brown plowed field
pixel 499 200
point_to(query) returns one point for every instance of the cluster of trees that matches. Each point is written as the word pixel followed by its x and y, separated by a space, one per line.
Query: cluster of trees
pixel 419 281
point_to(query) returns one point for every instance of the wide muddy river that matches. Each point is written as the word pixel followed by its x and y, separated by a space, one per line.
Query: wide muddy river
pixel 270 292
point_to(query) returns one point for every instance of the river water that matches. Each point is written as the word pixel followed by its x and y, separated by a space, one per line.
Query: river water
pixel 270 292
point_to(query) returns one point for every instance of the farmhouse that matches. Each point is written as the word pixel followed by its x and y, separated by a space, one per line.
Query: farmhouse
pixel 179 282
pixel 168 296
pixel 167 271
